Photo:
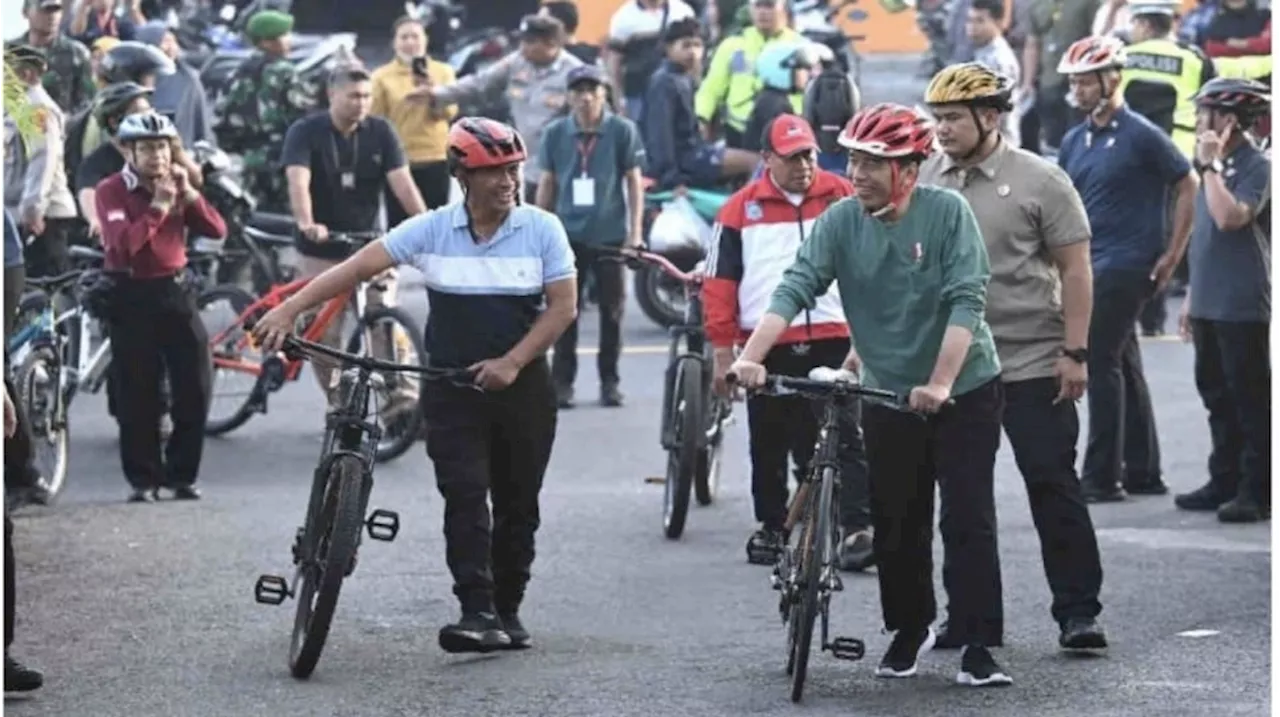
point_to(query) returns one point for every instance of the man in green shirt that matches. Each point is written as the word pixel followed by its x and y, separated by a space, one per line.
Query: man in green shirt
pixel 912 272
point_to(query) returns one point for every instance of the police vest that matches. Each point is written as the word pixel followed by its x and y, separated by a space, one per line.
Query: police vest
pixel 1158 82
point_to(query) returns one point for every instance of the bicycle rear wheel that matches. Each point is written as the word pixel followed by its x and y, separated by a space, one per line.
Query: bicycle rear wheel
pixel 400 414
pixel 334 534
pixel 814 554
pixel 682 460
pixel 220 309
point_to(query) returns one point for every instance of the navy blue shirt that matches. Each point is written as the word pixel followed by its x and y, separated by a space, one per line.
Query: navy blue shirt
pixel 1231 270
pixel 612 150
pixel 670 126
pixel 484 296
pixel 1123 172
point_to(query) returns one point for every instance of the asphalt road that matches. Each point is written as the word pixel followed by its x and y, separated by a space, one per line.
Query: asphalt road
pixel 139 610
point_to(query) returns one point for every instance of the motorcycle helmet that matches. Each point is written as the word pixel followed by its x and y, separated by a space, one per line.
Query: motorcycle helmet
pixel 778 60
pixel 114 99
pixel 135 62
pixel 146 125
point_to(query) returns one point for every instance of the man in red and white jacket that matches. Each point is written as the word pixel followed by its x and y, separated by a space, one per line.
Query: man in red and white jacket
pixel 757 234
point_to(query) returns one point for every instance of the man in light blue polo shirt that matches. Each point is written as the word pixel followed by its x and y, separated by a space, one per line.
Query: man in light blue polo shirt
pixel 1123 166
pixel 591 162
pixel 489 265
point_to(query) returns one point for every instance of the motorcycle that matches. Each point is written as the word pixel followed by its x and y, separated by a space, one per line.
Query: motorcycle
pixel 683 241
pixel 815 21
pixel 249 256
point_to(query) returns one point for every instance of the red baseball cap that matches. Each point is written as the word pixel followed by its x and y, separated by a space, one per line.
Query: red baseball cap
pixel 789 134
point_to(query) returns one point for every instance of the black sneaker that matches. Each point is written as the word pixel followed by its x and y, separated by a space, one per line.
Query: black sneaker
pixel 1100 494
pixel 1156 487
pixel 1242 510
pixel 610 396
pixel 475 632
pixel 904 653
pixel 142 495
pixel 20 678
pixel 1207 497
pixel 857 552
pixel 979 669
pixel 519 636
pixel 186 492
pixel 764 547
pixel 1082 633
pixel 564 396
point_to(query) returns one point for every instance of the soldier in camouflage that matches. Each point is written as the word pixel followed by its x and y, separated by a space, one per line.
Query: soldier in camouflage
pixel 264 98
pixel 69 79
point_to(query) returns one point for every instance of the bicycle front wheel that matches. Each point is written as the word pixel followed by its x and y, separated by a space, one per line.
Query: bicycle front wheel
pixel 387 333
pixel 682 459
pixel 814 554
pixel 38 388
pixel 235 359
pixel 334 535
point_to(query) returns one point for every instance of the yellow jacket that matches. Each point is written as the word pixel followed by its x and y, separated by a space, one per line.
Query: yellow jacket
pixel 425 134
pixel 731 80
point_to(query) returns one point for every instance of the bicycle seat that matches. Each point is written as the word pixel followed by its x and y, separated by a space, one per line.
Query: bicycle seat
pixel 827 374
pixel 281 225
pixel 85 254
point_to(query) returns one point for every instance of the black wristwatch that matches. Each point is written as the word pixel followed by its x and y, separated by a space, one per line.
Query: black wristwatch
pixel 1080 355
pixel 1214 166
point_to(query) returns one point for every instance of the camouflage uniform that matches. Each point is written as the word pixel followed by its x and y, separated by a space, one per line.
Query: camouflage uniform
pixel 265 97
pixel 69 79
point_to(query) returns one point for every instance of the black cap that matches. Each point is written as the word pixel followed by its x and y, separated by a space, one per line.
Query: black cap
pixel 584 74
pixel 21 54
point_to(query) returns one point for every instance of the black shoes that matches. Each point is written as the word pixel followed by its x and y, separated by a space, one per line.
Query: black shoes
pixel 764 547
pixel 857 552
pixel 979 669
pixel 1207 497
pixel 1243 509
pixel 476 632
pixel 186 492
pixel 519 636
pixel 564 396
pixel 151 495
pixel 904 653
pixel 1102 494
pixel 20 678
pixel 1082 633
pixel 610 396
pixel 142 495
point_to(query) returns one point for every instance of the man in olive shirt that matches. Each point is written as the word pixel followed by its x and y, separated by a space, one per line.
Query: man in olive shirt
pixel 1038 306
pixel 1055 24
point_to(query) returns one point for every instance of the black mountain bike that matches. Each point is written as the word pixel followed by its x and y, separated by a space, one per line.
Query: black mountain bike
pixel 694 418
pixel 808 571
pixel 324 548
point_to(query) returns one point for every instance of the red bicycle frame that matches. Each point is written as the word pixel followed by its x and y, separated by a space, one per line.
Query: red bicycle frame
pixel 332 309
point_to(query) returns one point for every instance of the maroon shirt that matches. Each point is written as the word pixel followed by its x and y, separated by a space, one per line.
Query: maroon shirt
pixel 140 239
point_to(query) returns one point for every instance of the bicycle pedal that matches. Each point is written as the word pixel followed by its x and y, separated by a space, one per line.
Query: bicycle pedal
pixel 847 648
pixel 383 525
pixel 271 590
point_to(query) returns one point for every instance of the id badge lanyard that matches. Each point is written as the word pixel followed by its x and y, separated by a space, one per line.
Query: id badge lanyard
pixel 584 187
pixel 347 175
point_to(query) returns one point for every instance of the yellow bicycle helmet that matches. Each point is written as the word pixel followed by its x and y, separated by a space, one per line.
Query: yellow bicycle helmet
pixel 970 83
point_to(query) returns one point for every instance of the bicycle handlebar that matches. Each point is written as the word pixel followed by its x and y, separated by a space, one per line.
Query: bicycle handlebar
pixel 658 260
pixel 49 282
pixel 781 385
pixel 296 345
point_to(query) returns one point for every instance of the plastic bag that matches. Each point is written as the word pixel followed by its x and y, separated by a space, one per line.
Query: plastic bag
pixel 679 227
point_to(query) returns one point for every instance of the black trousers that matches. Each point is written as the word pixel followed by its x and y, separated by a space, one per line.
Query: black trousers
pixel 1043 436
pixel 1123 446
pixel 491 447
pixel 783 427
pixel 48 255
pixel 156 328
pixel 10 578
pixel 907 455
pixel 612 295
pixel 1233 375
pixel 432 179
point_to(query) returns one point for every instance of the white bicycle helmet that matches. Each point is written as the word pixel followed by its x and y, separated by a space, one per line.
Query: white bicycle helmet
pixel 146 125
pixel 1093 54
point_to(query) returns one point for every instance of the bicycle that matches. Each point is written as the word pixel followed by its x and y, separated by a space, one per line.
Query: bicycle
pixel 694 418
pixel 325 546
pixel 55 360
pixel 808 572
pixel 234 353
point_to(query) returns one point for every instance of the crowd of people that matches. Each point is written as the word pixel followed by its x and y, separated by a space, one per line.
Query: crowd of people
pixel 938 255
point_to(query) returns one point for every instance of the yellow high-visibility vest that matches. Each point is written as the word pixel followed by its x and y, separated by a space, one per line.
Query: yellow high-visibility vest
pixel 1181 67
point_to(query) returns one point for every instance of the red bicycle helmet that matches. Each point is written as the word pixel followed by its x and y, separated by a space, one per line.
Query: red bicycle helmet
pixel 479 142
pixel 890 131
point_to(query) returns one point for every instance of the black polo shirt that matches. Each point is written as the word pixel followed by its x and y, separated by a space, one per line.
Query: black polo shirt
pixel 101 163
pixel 348 174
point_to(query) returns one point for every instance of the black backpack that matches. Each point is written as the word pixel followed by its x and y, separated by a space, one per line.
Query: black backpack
pixel 830 102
